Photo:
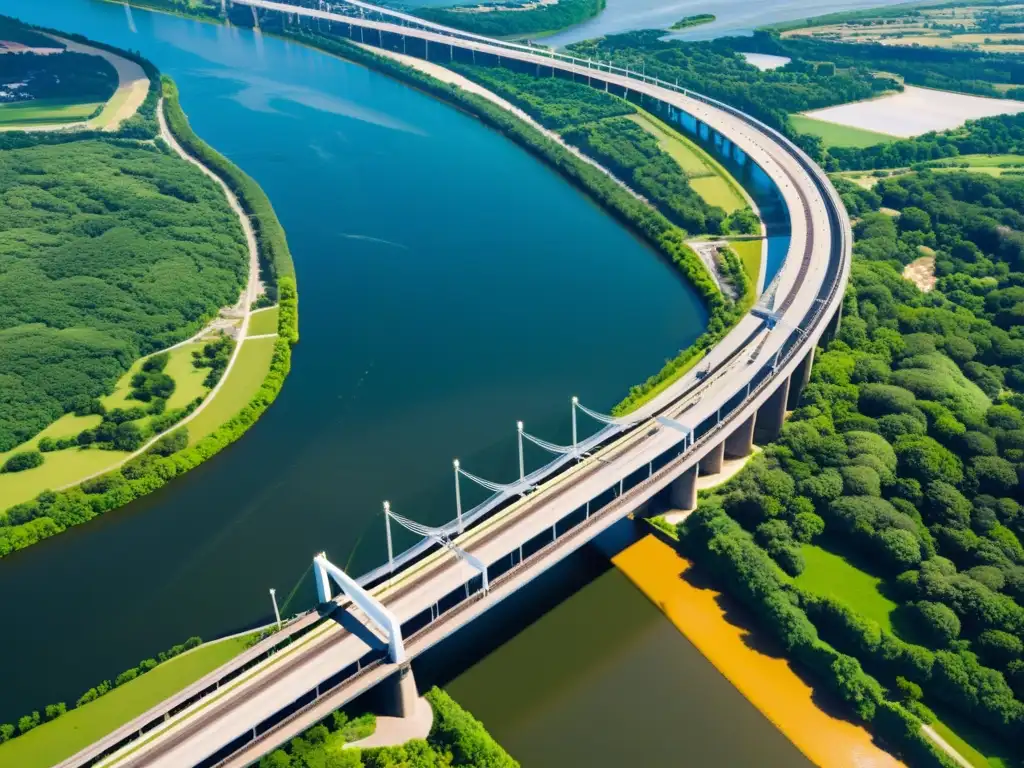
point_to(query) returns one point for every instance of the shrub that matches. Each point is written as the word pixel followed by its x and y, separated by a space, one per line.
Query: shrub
pixel 807 525
pixel 861 481
pixel 19 462
pixel 937 622
pixel 998 648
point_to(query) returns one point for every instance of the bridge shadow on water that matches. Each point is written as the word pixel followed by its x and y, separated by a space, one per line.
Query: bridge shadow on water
pixel 471 644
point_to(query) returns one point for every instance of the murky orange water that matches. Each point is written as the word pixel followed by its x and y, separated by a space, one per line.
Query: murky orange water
pixel 765 679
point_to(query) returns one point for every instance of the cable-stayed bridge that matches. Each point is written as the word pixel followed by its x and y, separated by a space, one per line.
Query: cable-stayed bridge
pixel 535 518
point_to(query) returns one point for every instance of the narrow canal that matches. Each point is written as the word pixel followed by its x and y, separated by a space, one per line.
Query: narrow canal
pixel 449 285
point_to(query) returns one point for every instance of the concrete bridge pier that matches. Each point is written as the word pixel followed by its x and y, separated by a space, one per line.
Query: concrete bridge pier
pixel 772 415
pixel 711 464
pixel 404 692
pixel 800 379
pixel 741 442
pixel 683 491
pixel 833 325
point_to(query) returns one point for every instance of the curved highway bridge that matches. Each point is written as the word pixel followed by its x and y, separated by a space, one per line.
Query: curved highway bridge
pixel 324 659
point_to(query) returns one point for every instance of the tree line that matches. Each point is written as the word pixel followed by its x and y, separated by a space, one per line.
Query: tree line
pixel 52 711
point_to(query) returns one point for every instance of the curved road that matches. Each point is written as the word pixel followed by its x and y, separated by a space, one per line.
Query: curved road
pixel 273 692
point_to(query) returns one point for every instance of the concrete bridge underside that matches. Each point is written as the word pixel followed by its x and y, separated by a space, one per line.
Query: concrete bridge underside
pixel 741 393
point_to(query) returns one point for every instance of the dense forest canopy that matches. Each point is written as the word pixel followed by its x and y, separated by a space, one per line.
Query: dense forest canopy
pixel 717 70
pixel 107 253
pixel 907 455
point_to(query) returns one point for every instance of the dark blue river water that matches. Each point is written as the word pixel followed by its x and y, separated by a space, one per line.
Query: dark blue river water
pixel 449 284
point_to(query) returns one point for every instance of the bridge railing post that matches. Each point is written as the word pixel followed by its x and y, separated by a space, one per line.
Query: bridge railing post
pixel 458 496
pixel 522 464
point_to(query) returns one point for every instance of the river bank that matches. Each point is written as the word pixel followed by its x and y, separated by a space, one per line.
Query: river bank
pixel 717 628
pixel 134 474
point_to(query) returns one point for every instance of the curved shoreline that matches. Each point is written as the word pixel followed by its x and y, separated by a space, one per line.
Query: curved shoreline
pixel 267 248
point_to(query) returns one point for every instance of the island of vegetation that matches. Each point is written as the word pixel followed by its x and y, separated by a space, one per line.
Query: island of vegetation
pixel 514 18
pixel 694 21
pixel 127 355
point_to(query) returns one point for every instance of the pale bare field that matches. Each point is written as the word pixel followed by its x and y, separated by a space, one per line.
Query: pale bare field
pixel 916 111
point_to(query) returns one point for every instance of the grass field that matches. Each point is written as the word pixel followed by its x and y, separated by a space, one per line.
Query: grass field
pixel 44 111
pixel 58 469
pixel 830 574
pixel 188 380
pixel 243 382
pixel 835 135
pixel 61 468
pixel 54 741
pixel 749 252
pixel 708 177
pixel 264 321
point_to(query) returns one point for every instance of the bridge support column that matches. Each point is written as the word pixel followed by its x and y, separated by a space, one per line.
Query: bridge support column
pixel 683 491
pixel 833 325
pixel 772 415
pixel 405 693
pixel 711 464
pixel 741 442
pixel 799 380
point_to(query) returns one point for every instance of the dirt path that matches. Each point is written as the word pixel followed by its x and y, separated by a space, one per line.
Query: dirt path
pixel 249 294
pixel 132 87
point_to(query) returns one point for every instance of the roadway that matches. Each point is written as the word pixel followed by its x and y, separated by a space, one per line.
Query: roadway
pixel 332 647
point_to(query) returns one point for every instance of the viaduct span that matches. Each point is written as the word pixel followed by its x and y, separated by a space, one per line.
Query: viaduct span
pixel 389 616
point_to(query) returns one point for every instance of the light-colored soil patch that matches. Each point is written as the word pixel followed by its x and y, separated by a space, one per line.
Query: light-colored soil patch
pixel 921 272
pixel 132 87
pixel 916 111
pixel 765 61
pixel 766 680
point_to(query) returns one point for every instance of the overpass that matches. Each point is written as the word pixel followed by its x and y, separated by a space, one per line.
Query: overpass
pixel 419 597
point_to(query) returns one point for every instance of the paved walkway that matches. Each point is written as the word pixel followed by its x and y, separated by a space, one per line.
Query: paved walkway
pixel 392 731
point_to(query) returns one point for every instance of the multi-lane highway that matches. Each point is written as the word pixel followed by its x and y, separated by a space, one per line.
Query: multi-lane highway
pixel 250 706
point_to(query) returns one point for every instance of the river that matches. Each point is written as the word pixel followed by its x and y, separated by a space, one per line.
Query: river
pixel 449 284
